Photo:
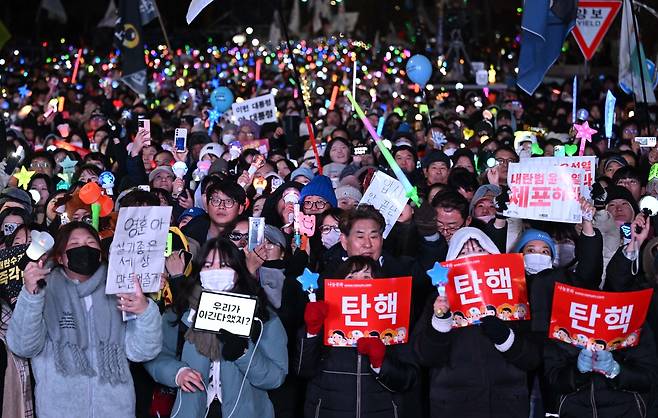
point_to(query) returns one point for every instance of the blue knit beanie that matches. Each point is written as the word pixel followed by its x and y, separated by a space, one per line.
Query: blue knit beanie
pixel 532 235
pixel 320 186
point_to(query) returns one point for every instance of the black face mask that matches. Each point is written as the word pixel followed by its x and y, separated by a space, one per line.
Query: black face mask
pixel 84 260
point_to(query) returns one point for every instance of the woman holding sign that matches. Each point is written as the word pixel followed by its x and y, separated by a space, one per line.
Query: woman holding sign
pixel 74 333
pixel 602 379
pixel 220 372
pixel 476 371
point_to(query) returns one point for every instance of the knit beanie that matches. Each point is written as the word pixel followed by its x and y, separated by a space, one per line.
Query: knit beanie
pixel 320 186
pixel 534 235
pixel 618 192
pixel 348 191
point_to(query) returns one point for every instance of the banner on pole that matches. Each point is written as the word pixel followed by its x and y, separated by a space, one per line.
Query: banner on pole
pixel 598 320
pixel 372 308
pixel 487 285
pixel 549 193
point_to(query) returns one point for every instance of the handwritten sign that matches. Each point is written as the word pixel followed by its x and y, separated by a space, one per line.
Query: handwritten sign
pixel 487 285
pixel 598 320
pixel 387 195
pixel 11 276
pixel 261 109
pixel 138 249
pixel 228 311
pixel 374 307
pixel 548 194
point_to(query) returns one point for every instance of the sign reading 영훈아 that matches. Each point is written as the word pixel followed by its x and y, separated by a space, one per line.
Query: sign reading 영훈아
pixel 138 248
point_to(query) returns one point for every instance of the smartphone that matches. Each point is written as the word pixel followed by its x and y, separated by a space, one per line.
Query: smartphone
pixel 180 139
pixel 145 124
pixel 646 141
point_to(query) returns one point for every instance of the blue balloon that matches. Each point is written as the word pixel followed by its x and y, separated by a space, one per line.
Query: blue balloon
pixel 221 99
pixel 419 69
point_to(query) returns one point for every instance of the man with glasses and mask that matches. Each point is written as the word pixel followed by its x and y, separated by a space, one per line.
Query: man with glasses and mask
pixel 43 163
pixel 318 196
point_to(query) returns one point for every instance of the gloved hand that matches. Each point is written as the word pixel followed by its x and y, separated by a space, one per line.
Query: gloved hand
pixel 233 346
pixel 495 329
pixel 585 361
pixel 372 347
pixel 501 201
pixel 599 195
pixel 314 316
pixel 604 363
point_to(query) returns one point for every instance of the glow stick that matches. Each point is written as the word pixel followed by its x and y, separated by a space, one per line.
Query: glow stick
pixel 380 125
pixel 258 64
pixel 609 115
pixel 313 144
pixel 412 192
pixel 76 66
pixel 574 94
pixel 354 80
pixel 334 95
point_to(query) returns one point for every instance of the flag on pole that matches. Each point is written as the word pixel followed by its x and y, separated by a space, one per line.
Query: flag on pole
pixel 195 8
pixel 109 20
pixel 630 56
pixel 545 25
pixel 128 34
pixel 147 11
pixel 55 10
pixel 4 35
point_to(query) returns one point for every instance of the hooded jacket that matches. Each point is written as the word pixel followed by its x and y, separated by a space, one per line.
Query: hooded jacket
pixel 469 376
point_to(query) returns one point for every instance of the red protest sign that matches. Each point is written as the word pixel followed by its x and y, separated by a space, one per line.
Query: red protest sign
pixel 592 23
pixel 598 320
pixel 373 307
pixel 487 285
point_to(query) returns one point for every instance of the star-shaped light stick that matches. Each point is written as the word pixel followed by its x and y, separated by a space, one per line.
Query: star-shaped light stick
pixel 23 91
pixel 584 133
pixel 68 165
pixel 309 281
pixel 24 176
pixel 439 276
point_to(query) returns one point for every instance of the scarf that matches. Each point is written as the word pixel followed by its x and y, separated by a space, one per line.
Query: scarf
pixel 206 343
pixel 17 393
pixel 66 322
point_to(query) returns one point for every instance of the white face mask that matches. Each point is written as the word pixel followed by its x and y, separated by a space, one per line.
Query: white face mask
pixel 218 280
pixel 534 263
pixel 330 238
pixel 487 218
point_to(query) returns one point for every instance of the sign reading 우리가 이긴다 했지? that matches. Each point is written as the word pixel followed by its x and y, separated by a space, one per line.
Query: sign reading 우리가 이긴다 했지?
pixel 261 109
pixel 138 248
pixel 228 311
pixel 388 196
pixel 551 193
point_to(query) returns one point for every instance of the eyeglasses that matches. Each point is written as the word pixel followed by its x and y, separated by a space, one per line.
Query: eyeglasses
pixel 628 182
pixel 325 229
pixel 237 236
pixel 217 202
pixel 250 134
pixel 448 228
pixel 39 165
pixel 270 246
pixel 505 161
pixel 320 204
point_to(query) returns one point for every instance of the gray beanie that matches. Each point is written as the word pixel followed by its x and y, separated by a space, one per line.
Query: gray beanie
pixel 275 236
pixel 481 193
pixel 348 191
pixel 15 194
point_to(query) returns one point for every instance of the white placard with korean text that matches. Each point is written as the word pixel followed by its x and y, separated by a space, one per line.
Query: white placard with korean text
pixel 138 249
pixel 549 193
pixel 588 164
pixel 387 195
pixel 228 311
pixel 261 109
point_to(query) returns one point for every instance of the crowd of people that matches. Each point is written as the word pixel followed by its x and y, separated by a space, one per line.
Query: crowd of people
pixel 68 352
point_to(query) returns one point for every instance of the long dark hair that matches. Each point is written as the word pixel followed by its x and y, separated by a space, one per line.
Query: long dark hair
pixel 231 257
